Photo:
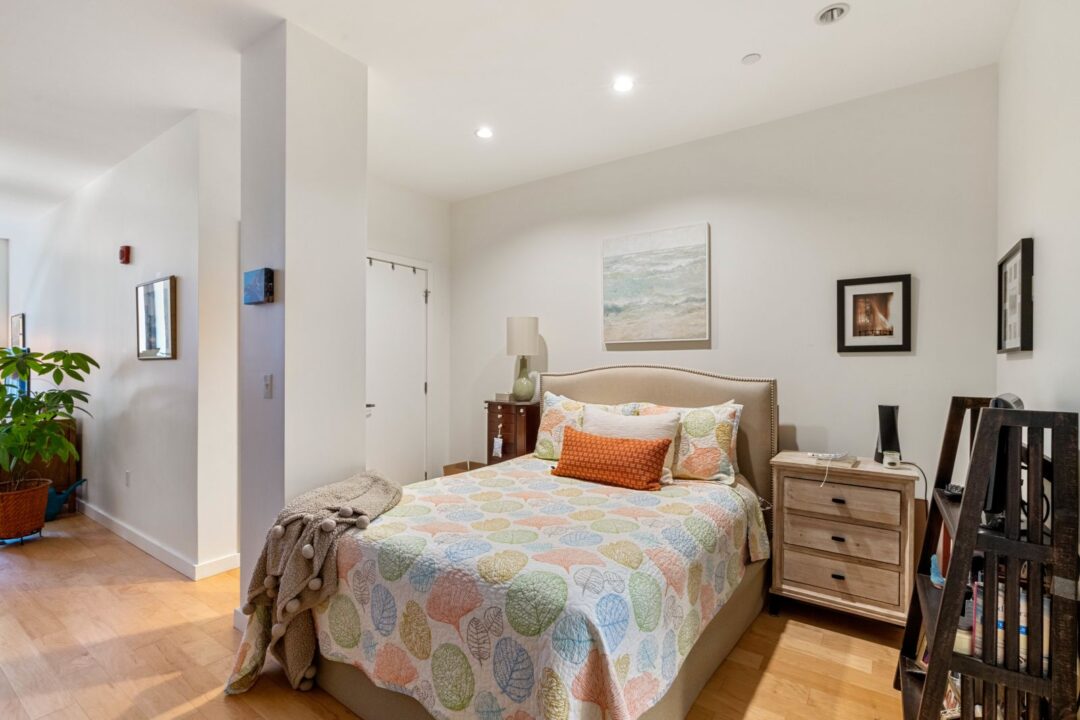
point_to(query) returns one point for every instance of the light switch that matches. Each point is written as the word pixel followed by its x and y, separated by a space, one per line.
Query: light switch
pixel 268 386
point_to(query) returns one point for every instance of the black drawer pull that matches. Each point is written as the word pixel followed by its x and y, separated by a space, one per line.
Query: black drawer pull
pixel 839 501
pixel 839 538
pixel 838 576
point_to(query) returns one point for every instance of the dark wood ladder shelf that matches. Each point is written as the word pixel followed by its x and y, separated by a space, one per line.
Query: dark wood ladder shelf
pixel 912 679
pixel 1009 681
pixel 930 600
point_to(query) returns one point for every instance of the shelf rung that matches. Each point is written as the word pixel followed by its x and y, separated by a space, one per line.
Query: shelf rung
pixel 968 665
pixel 1022 549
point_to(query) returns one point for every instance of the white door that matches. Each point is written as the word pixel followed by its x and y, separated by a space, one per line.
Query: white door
pixel 396 370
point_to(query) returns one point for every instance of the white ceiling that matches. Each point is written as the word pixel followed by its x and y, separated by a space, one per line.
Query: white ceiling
pixel 83 84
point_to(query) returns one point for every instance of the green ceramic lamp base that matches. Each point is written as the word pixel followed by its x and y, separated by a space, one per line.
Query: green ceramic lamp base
pixel 524 387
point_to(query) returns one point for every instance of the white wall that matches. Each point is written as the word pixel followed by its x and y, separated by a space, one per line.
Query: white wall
pixel 1039 195
pixel 262 337
pixel 146 415
pixel 304 197
pixel 325 248
pixel 411 225
pixel 219 300
pixel 899 182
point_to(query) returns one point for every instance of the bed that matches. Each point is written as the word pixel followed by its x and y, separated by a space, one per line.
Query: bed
pixel 509 593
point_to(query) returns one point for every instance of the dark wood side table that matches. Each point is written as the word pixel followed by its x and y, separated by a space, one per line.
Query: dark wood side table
pixel 516 423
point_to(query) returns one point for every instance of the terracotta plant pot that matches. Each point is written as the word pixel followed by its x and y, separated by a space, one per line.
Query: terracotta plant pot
pixel 22 510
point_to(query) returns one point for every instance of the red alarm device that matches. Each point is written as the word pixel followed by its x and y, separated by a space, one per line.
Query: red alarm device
pixel 125 254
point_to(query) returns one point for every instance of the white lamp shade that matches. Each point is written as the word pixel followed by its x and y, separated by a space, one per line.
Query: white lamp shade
pixel 522 336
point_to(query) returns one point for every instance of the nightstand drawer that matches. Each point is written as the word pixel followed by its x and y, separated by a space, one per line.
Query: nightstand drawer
pixel 507 410
pixel 508 422
pixel 849 502
pixel 843 538
pixel 841 576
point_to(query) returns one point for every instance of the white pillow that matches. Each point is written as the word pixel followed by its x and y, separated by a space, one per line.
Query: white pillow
pixel 644 427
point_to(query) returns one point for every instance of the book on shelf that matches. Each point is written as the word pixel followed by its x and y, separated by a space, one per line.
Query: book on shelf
pixel 978 605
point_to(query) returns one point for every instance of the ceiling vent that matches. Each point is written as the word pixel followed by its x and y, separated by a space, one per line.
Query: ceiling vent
pixel 833 14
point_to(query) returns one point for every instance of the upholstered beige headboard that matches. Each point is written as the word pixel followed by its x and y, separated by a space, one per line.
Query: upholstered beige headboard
pixel 756 443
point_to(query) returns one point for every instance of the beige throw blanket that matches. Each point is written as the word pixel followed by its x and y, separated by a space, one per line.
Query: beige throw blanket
pixel 297 571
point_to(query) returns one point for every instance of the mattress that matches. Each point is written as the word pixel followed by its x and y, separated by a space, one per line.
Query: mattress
pixel 507 592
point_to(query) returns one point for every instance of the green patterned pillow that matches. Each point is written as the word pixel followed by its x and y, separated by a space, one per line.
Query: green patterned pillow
pixel 706 442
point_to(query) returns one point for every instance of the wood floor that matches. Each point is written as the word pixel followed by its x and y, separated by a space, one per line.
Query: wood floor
pixel 91 627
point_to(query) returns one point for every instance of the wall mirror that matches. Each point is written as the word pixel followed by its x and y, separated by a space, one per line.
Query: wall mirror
pixel 155 317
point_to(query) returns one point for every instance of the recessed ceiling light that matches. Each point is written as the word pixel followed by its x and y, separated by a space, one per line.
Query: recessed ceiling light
pixel 833 13
pixel 751 58
pixel 623 84
pixel 484 132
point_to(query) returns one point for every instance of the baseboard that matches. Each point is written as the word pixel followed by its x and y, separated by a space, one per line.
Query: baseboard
pixel 155 549
pixel 239 619
pixel 219 565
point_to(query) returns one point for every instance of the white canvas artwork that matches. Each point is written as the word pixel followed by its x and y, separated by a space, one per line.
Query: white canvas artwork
pixel 656 286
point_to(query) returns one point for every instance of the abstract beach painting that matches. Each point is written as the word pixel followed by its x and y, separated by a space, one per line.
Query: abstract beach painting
pixel 656 286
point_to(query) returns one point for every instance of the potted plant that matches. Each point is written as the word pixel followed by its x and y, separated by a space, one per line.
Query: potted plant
pixel 32 428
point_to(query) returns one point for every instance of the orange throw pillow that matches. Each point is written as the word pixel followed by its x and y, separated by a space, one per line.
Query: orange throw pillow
pixel 623 462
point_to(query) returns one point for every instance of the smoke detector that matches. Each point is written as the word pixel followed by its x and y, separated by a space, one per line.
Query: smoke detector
pixel 833 13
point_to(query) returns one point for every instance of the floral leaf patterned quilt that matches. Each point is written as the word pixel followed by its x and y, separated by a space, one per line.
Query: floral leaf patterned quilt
pixel 507 593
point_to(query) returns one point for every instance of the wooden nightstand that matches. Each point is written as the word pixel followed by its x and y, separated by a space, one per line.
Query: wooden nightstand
pixel 848 544
pixel 516 423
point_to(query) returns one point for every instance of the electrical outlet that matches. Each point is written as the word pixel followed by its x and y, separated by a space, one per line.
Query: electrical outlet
pixel 268 386
pixel 127 478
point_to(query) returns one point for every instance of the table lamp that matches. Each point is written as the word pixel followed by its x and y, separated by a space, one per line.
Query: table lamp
pixel 523 339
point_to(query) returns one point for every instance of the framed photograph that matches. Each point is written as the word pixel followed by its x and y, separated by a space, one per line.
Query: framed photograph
pixel 17 330
pixel 1014 305
pixel 155 319
pixel 656 286
pixel 874 314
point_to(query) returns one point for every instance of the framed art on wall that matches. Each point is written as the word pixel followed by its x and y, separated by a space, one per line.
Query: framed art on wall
pixel 656 286
pixel 873 314
pixel 155 319
pixel 1015 315
pixel 17 331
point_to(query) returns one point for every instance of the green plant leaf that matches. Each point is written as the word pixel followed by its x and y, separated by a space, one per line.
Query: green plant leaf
pixel 32 426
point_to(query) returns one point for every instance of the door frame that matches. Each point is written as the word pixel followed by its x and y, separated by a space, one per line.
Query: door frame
pixel 380 256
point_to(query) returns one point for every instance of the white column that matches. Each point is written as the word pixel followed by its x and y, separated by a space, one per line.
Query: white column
pixel 304 214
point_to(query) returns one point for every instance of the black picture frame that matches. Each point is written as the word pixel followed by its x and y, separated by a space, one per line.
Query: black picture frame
pixel 844 344
pixel 1021 258
pixel 147 335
